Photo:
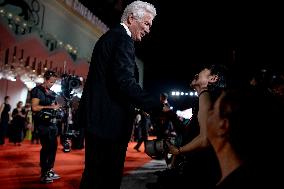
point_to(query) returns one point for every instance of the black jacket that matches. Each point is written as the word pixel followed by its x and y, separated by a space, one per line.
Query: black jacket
pixel 111 90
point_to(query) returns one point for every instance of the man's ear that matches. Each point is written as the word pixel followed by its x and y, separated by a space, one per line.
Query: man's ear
pixel 130 19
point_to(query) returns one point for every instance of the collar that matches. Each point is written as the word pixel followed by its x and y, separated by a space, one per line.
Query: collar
pixel 46 90
pixel 126 28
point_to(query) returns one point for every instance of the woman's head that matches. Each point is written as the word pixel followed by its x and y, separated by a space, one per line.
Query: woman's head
pixel 20 104
pixel 6 98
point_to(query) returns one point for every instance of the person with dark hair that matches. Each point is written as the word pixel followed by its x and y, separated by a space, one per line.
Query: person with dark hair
pixel 162 124
pixel 214 78
pixel 243 128
pixel 164 97
pixel 110 96
pixel 5 109
pixel 43 104
pixel 18 124
pixel 199 168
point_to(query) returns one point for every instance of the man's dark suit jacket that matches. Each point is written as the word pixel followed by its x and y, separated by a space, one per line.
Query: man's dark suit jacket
pixel 111 90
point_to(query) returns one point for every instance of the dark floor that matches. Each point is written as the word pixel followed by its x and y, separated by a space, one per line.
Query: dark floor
pixel 138 178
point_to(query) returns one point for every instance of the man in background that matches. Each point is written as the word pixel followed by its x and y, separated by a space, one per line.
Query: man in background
pixel 43 100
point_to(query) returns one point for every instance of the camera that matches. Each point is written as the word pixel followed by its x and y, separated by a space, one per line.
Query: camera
pixel 69 133
pixel 66 143
pixel 157 148
pixel 68 84
pixel 50 115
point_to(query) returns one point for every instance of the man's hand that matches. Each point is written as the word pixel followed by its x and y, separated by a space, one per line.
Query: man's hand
pixel 55 106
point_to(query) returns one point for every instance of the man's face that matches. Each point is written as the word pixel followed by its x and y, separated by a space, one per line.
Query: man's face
pixel 139 28
pixel 50 82
pixel 162 99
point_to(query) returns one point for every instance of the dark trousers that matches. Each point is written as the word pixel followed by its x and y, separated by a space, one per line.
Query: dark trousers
pixel 139 142
pixel 48 141
pixel 3 131
pixel 104 163
pixel 35 136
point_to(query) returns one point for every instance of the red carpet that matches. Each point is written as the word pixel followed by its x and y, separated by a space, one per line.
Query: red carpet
pixel 19 166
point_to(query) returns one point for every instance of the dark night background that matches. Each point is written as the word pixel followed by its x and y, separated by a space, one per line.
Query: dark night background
pixel 186 35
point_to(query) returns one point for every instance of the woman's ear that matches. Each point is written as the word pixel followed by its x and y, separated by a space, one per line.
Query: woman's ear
pixel 213 78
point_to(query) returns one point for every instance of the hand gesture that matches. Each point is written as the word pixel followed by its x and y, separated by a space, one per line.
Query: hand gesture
pixel 173 149
pixel 55 106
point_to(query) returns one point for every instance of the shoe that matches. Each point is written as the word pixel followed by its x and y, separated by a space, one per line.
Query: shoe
pixel 53 175
pixel 46 179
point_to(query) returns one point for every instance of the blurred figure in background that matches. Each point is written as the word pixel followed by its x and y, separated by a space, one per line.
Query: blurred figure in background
pixel 163 125
pixel 18 124
pixel 29 121
pixel 5 109
pixel 141 129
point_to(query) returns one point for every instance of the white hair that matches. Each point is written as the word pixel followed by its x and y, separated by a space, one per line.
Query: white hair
pixel 138 9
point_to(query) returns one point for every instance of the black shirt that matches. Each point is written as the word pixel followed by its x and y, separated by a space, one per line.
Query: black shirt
pixel 46 98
